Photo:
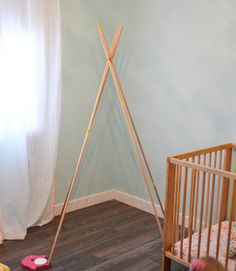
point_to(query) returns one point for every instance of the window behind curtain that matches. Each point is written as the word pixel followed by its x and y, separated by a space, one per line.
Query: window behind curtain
pixel 20 81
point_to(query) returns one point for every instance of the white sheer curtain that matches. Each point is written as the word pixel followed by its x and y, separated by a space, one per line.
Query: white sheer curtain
pixel 29 112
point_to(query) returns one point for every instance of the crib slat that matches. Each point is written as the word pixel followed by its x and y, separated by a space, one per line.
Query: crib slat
pixel 210 216
pixel 178 201
pixel 208 190
pixel 183 212
pixel 218 190
pixel 224 194
pixel 219 231
pixel 190 227
pixel 197 191
pixel 175 207
pixel 202 208
pixel 225 185
pixel 221 156
pixel 232 212
pixel 211 206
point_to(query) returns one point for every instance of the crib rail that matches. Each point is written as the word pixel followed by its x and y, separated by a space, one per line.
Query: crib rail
pixel 200 192
pixel 209 150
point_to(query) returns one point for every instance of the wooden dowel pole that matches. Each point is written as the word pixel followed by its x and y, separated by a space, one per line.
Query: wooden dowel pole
pixel 78 163
pixel 119 92
pixel 136 150
pixel 106 49
pixel 141 147
pixel 66 202
pixel 131 119
pixel 114 46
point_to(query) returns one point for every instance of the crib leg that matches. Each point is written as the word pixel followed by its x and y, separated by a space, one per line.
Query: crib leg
pixel 166 264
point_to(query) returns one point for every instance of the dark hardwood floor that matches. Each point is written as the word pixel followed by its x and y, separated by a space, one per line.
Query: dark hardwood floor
pixel 109 236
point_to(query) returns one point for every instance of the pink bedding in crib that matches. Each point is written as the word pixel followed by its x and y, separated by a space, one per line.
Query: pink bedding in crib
pixel 213 244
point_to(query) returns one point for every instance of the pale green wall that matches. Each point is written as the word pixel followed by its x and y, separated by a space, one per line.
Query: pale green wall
pixel 177 64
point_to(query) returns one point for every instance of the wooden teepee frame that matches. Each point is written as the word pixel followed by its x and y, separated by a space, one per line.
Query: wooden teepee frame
pixel 131 127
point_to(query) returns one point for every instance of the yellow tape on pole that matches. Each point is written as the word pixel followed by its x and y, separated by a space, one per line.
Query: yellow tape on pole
pixel 88 132
pixel 100 28
pixel 122 102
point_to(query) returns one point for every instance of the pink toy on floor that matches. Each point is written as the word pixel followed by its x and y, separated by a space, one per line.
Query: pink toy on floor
pixel 35 262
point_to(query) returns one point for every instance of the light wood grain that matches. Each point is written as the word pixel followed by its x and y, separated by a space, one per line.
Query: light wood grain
pixel 207 183
pixel 120 94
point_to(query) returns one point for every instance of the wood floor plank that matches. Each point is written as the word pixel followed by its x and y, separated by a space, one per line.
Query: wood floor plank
pixel 109 236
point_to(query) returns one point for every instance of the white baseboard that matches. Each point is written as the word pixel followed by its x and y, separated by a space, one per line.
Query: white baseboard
pixel 106 196
pixel 85 202
pixel 136 202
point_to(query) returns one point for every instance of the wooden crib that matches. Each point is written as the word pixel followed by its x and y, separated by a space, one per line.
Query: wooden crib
pixel 200 206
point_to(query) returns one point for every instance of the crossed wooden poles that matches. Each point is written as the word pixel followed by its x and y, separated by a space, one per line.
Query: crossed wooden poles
pixel 131 127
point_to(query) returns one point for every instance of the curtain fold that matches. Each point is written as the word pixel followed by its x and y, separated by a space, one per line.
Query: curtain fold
pixel 30 67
